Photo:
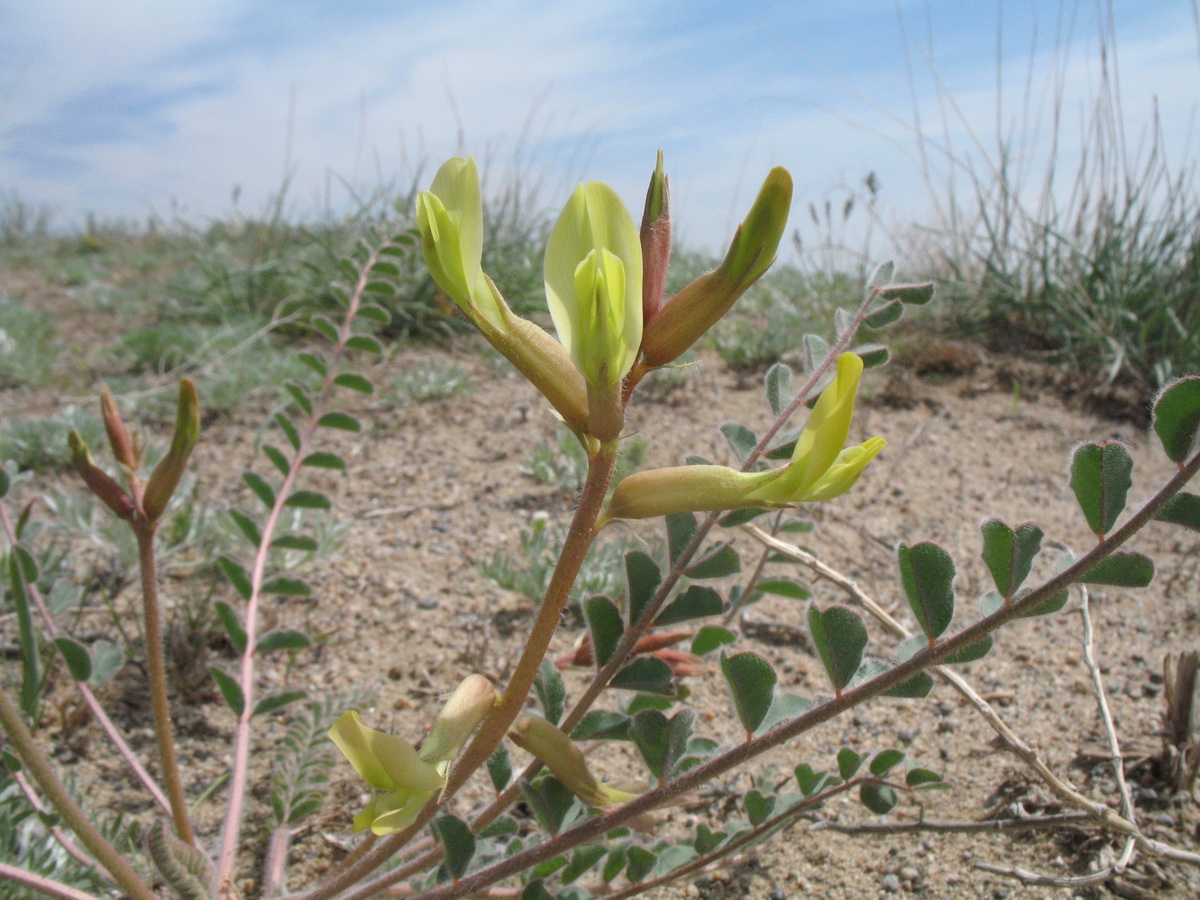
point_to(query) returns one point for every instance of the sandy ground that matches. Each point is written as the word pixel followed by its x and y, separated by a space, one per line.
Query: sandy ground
pixel 435 488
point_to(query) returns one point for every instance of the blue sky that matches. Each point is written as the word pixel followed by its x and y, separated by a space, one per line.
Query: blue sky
pixel 137 107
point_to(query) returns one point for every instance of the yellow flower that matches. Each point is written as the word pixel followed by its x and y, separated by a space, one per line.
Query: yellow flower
pixel 407 778
pixel 390 765
pixel 450 219
pixel 819 470
pixel 565 760
pixel 593 270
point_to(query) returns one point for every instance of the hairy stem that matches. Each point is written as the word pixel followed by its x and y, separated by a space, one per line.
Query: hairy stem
pixel 157 672
pixel 85 690
pixel 512 701
pixel 593 829
pixel 232 827
pixel 35 761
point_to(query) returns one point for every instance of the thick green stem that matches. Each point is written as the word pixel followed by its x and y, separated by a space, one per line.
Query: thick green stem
pixel 157 670
pixel 22 741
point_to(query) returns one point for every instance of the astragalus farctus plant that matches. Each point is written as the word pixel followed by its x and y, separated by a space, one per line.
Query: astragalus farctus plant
pixel 559 824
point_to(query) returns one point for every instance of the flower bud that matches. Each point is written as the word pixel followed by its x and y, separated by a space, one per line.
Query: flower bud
pixel 700 305
pixel 656 241
pixel 98 481
pixel 563 758
pixel 118 436
pixel 470 703
pixel 169 470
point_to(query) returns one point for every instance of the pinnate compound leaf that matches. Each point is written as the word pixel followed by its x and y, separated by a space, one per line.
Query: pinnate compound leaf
pixel 1177 417
pixel 606 626
pixel 741 516
pixel 758 806
pixel 784 707
pixel 458 844
pixel 107 660
pixel 1009 553
pixel 324 460
pixel 784 587
pixel 779 388
pixel 262 490
pixel 355 382
pixel 230 690
pixel 581 861
pixel 602 723
pixel 643 578
pixel 76 656
pixel 913 689
pixel 314 362
pixel 289 587
pixel 284 639
pixel 288 429
pixel 1101 475
pixel 646 673
pixel 878 798
pixel 308 500
pixel 236 574
pixel 885 314
pixel 551 692
pixel 365 343
pixel 919 777
pixel 706 839
pixel 977 650
pixel 927 573
pixel 277 701
pixel 840 637
pixel 1122 569
pixel 740 438
pixel 814 350
pixel 233 625
pixel 661 741
pixel 374 313
pixel 717 562
pixel 641 861
pixel 848 762
pixel 340 420
pixel 278 460
pixel 1051 605
pixel 710 637
pixel 550 801
pixel 886 760
pixel 681 527
pixel 1182 509
pixel 873 355
pixel 752 681
pixel 246 525
pixel 912 294
pixel 696 602
pixel 295 542
pixel 499 767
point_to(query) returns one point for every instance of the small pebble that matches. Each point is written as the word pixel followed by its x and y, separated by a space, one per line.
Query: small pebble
pixel 906 736
pixel 891 883
pixel 909 873
pixel 778 894
pixel 947 726
pixel 428 602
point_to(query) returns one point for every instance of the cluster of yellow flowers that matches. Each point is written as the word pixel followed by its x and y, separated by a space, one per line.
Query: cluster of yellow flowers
pixel 605 300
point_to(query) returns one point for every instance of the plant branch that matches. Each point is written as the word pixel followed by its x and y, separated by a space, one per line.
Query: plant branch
pixel 35 761
pixel 512 700
pixel 231 829
pixel 42 884
pixel 57 832
pixel 850 698
pixel 157 674
pixel 85 690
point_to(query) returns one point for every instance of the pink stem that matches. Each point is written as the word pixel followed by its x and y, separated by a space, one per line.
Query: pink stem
pixel 231 830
